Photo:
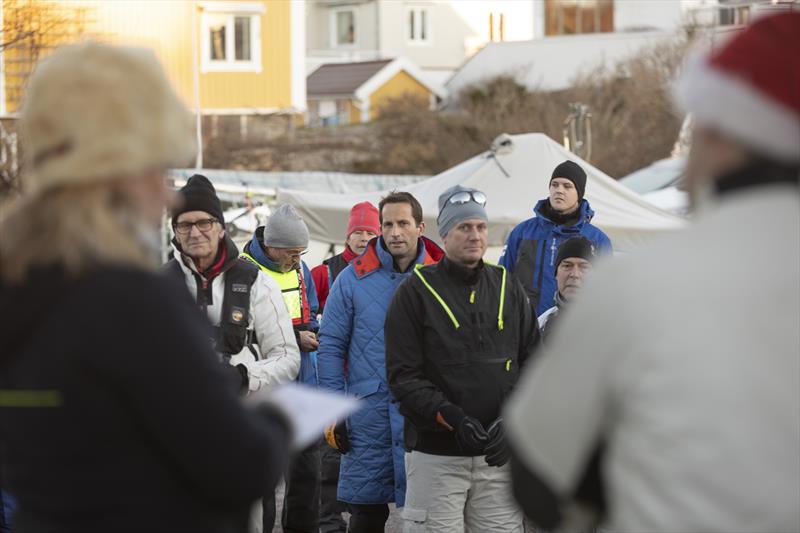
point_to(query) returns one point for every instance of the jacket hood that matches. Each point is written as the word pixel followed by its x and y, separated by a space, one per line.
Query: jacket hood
pixel 376 256
pixel 586 212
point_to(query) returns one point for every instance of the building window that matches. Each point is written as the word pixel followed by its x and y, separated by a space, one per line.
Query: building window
pixel 231 42
pixel 419 25
pixel 344 27
pixel 564 17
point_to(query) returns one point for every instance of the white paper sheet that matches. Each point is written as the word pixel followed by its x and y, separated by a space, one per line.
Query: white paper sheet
pixel 308 409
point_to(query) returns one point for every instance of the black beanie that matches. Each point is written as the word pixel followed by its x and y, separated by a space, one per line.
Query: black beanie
pixel 199 195
pixel 575 247
pixel 574 173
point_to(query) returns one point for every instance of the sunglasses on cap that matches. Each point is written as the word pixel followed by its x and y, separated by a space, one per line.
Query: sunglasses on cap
pixel 464 197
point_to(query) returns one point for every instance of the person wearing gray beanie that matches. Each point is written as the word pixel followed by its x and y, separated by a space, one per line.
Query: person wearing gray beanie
pixel 459 313
pixel 277 248
pixel 285 228
pixel 460 203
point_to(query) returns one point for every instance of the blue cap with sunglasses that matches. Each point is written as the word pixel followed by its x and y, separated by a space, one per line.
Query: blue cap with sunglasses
pixel 460 203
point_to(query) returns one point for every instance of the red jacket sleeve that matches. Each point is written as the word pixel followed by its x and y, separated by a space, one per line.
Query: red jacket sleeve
pixel 320 276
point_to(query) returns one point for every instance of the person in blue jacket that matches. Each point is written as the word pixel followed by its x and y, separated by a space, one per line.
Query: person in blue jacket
pixel 277 248
pixel 352 359
pixel 531 249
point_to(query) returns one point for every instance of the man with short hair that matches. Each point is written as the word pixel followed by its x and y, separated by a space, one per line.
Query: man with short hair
pixel 457 334
pixel 252 330
pixel 363 226
pixel 277 249
pixel 684 364
pixel 372 473
pixel 531 248
pixel 573 262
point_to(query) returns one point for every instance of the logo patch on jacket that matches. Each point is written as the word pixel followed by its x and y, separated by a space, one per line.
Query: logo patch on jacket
pixel 240 287
pixel 237 315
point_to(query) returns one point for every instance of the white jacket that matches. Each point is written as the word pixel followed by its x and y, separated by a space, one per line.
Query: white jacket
pixel 279 356
pixel 685 360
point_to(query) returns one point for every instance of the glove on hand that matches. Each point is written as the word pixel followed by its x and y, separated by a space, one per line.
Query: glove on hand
pixel 497 451
pixel 470 435
pixel 337 438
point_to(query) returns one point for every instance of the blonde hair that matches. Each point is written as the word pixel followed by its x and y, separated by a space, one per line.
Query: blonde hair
pixel 77 228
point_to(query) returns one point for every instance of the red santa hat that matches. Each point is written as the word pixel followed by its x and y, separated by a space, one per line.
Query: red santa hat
pixel 750 87
pixel 364 217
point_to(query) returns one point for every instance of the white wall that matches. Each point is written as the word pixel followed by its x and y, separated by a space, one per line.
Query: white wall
pixel 659 14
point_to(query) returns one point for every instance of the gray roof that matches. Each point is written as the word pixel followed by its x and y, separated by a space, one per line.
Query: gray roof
pixel 342 78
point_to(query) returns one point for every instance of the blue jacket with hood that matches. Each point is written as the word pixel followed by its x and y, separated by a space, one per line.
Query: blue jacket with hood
pixel 531 249
pixel 308 361
pixel 373 471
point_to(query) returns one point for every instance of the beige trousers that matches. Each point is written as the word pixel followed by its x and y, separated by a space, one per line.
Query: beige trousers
pixel 458 494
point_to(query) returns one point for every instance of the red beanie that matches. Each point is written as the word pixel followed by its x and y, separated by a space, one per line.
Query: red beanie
pixel 364 217
pixel 750 87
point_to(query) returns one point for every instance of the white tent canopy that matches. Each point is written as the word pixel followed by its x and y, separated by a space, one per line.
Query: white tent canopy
pixel 514 174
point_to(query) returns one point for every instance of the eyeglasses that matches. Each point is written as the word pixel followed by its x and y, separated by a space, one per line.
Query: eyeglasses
pixel 296 255
pixel 203 225
pixel 464 197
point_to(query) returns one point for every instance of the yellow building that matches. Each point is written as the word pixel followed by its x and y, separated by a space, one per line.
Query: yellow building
pixel 224 57
pixel 352 93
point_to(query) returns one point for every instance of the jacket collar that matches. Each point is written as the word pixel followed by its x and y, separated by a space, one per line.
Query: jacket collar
pixel 376 257
pixel 348 254
pixel 467 276
pixel 255 249
pixel 586 214
pixel 759 173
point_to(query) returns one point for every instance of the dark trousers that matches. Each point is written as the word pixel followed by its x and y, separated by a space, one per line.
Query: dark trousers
pixel 367 518
pixel 330 509
pixel 301 500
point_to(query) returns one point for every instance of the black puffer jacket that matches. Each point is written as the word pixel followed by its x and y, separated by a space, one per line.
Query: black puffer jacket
pixel 430 362
pixel 115 415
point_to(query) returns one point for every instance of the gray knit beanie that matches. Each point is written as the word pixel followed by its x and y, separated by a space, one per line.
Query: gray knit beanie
pixel 285 228
pixel 451 214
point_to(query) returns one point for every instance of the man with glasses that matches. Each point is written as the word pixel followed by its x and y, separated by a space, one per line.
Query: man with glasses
pixel 252 329
pixel 457 334
pixel 277 249
pixel 352 359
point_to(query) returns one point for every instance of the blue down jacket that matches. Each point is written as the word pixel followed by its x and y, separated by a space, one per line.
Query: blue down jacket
pixel 351 337
pixel 531 249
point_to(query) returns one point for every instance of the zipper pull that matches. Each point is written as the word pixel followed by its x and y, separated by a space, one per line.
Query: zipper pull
pixel 508 365
pixel 472 297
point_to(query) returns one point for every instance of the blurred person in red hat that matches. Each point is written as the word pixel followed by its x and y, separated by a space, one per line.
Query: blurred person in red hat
pixel 671 391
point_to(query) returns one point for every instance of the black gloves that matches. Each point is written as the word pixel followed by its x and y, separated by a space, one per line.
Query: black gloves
pixel 470 435
pixel 497 451
pixel 337 438
pixel 238 376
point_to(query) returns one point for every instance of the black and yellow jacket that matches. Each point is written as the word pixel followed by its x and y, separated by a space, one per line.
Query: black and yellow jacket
pixel 455 335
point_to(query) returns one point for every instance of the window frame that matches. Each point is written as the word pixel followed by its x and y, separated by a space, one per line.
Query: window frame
pixel 416 11
pixel 334 27
pixel 230 64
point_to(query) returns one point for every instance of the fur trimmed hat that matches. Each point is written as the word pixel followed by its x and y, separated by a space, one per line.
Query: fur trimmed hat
pixel 95 112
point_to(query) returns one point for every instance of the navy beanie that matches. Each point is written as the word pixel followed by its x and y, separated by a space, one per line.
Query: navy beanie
pixel 574 173
pixel 199 195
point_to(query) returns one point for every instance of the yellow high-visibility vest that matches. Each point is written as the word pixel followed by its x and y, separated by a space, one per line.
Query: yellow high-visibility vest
pixel 293 290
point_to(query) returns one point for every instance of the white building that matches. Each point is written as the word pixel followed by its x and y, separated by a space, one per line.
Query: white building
pixel 437 35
